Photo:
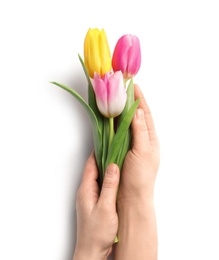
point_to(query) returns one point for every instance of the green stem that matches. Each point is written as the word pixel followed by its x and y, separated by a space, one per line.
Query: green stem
pixel 111 130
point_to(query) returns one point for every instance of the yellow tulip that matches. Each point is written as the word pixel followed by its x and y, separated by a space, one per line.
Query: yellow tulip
pixel 97 56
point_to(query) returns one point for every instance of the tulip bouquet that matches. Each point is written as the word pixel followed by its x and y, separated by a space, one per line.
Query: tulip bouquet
pixel 111 104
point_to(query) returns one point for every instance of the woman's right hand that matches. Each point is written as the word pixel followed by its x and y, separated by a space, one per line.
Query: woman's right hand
pixel 135 206
pixel 142 161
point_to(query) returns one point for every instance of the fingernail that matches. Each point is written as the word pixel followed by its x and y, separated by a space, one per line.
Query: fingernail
pixel 112 169
pixel 140 113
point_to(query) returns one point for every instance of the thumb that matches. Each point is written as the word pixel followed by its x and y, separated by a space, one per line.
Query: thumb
pixel 140 132
pixel 110 185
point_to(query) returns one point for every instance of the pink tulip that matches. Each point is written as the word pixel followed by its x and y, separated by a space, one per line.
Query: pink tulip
pixel 127 56
pixel 110 93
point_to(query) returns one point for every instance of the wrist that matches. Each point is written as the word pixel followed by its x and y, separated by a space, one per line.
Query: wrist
pixel 135 214
pixel 137 232
pixel 135 203
pixel 138 227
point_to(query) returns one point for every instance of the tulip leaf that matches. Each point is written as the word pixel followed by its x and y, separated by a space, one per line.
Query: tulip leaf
pixel 130 99
pixel 130 94
pixel 97 135
pixel 85 70
pixel 127 141
pixel 91 96
pixel 105 142
pixel 124 149
pixel 120 135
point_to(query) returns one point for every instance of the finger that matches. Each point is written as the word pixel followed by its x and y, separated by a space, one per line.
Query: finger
pixel 110 186
pixel 140 137
pixel 88 192
pixel 90 170
pixel 147 113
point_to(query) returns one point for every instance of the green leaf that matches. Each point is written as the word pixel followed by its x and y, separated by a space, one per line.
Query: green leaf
pixel 105 141
pixel 93 105
pixel 127 140
pixel 91 96
pixel 97 135
pixel 124 149
pixel 121 134
pixel 130 99
pixel 85 70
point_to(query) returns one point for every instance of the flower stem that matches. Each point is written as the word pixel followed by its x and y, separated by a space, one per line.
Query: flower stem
pixel 111 135
pixel 111 130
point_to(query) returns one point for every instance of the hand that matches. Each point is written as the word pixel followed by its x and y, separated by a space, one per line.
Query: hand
pixel 142 161
pixel 137 232
pixel 97 220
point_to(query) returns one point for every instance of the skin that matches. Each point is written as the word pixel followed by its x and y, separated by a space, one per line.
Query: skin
pixel 133 207
pixel 97 219
pixel 137 232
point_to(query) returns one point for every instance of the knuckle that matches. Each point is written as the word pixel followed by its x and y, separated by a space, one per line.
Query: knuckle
pixel 141 153
pixel 108 183
pixel 141 125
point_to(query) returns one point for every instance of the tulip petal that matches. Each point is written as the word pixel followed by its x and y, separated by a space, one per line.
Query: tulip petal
pixel 97 56
pixel 104 53
pixel 119 59
pixel 134 56
pixel 127 56
pixel 92 42
pixel 116 94
pixel 101 94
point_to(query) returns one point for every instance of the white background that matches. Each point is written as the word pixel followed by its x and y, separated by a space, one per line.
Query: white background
pixel 45 135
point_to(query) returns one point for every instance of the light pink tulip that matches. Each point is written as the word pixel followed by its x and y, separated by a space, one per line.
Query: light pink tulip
pixel 110 93
pixel 127 56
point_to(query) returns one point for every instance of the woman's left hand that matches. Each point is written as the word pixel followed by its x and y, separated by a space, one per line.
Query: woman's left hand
pixel 97 219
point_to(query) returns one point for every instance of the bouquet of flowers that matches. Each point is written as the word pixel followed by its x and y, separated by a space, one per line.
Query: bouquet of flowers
pixel 111 104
